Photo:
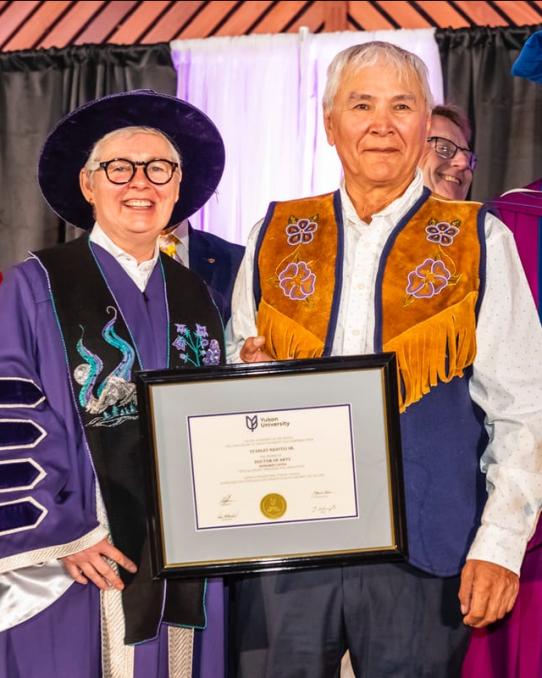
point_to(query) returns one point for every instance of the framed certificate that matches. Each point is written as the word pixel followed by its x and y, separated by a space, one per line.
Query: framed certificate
pixel 273 466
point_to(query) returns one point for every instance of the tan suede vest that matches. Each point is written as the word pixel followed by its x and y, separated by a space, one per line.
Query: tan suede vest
pixel 426 295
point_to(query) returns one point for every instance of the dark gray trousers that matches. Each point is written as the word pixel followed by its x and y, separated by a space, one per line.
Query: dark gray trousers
pixel 394 619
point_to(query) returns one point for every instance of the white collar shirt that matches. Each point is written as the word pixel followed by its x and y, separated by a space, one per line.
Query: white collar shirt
pixel 138 272
pixel 363 246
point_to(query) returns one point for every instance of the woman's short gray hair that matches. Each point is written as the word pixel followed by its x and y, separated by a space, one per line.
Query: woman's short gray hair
pixel 370 54
pixel 94 156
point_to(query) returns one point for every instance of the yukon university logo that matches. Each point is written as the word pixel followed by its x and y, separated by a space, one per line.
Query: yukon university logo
pixel 251 422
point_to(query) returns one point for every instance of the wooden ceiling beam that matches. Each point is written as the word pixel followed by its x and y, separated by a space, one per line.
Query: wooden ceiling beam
pixel 14 17
pixel 367 16
pixel 240 21
pixel 105 22
pixel 70 24
pixel 404 14
pixel 28 24
pixel 335 16
pixel 35 28
pixel 313 18
pixel 481 13
pixel 279 17
pixel 208 20
pixel 130 31
pixel 521 13
pixel 169 25
pixel 442 13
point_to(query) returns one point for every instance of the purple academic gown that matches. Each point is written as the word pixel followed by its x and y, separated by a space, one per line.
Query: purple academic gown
pixel 512 648
pixel 64 638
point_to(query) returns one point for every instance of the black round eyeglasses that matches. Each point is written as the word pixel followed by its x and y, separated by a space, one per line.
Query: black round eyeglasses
pixel 120 170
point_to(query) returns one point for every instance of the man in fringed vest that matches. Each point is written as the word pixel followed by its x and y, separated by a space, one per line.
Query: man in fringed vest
pixel 383 265
pixel 77 598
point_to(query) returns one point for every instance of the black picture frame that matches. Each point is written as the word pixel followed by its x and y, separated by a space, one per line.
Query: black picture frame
pixel 156 387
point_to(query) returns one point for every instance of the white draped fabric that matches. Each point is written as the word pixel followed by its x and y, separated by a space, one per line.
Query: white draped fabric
pixel 264 92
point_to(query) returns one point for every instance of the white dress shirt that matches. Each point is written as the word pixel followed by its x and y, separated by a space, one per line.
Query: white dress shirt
pixel 139 273
pixel 507 372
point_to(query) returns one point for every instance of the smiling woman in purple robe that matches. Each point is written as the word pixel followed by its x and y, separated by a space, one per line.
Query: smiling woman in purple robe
pixel 76 593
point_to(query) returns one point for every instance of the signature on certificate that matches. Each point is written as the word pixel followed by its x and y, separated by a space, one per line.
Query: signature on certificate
pixel 227 516
pixel 324 509
pixel 323 505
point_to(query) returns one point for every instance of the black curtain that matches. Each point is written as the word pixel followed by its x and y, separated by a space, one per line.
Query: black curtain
pixel 36 89
pixel 506 111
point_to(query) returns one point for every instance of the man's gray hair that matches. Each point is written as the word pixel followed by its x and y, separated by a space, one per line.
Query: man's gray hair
pixel 94 156
pixel 370 54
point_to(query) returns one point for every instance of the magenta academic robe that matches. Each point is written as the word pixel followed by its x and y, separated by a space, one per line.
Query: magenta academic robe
pixel 512 648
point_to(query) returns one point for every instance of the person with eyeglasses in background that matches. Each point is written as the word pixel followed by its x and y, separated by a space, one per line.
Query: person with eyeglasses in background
pixel 448 162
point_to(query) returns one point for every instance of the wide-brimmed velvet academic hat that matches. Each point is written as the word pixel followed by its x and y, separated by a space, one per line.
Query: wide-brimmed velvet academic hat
pixel 529 62
pixel 68 147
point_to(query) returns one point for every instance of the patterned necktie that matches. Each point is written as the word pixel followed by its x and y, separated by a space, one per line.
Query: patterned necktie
pixel 168 245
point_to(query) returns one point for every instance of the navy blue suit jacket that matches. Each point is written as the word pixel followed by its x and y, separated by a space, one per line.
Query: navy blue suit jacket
pixel 217 261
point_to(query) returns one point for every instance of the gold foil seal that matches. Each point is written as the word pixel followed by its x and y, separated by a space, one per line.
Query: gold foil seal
pixel 273 506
